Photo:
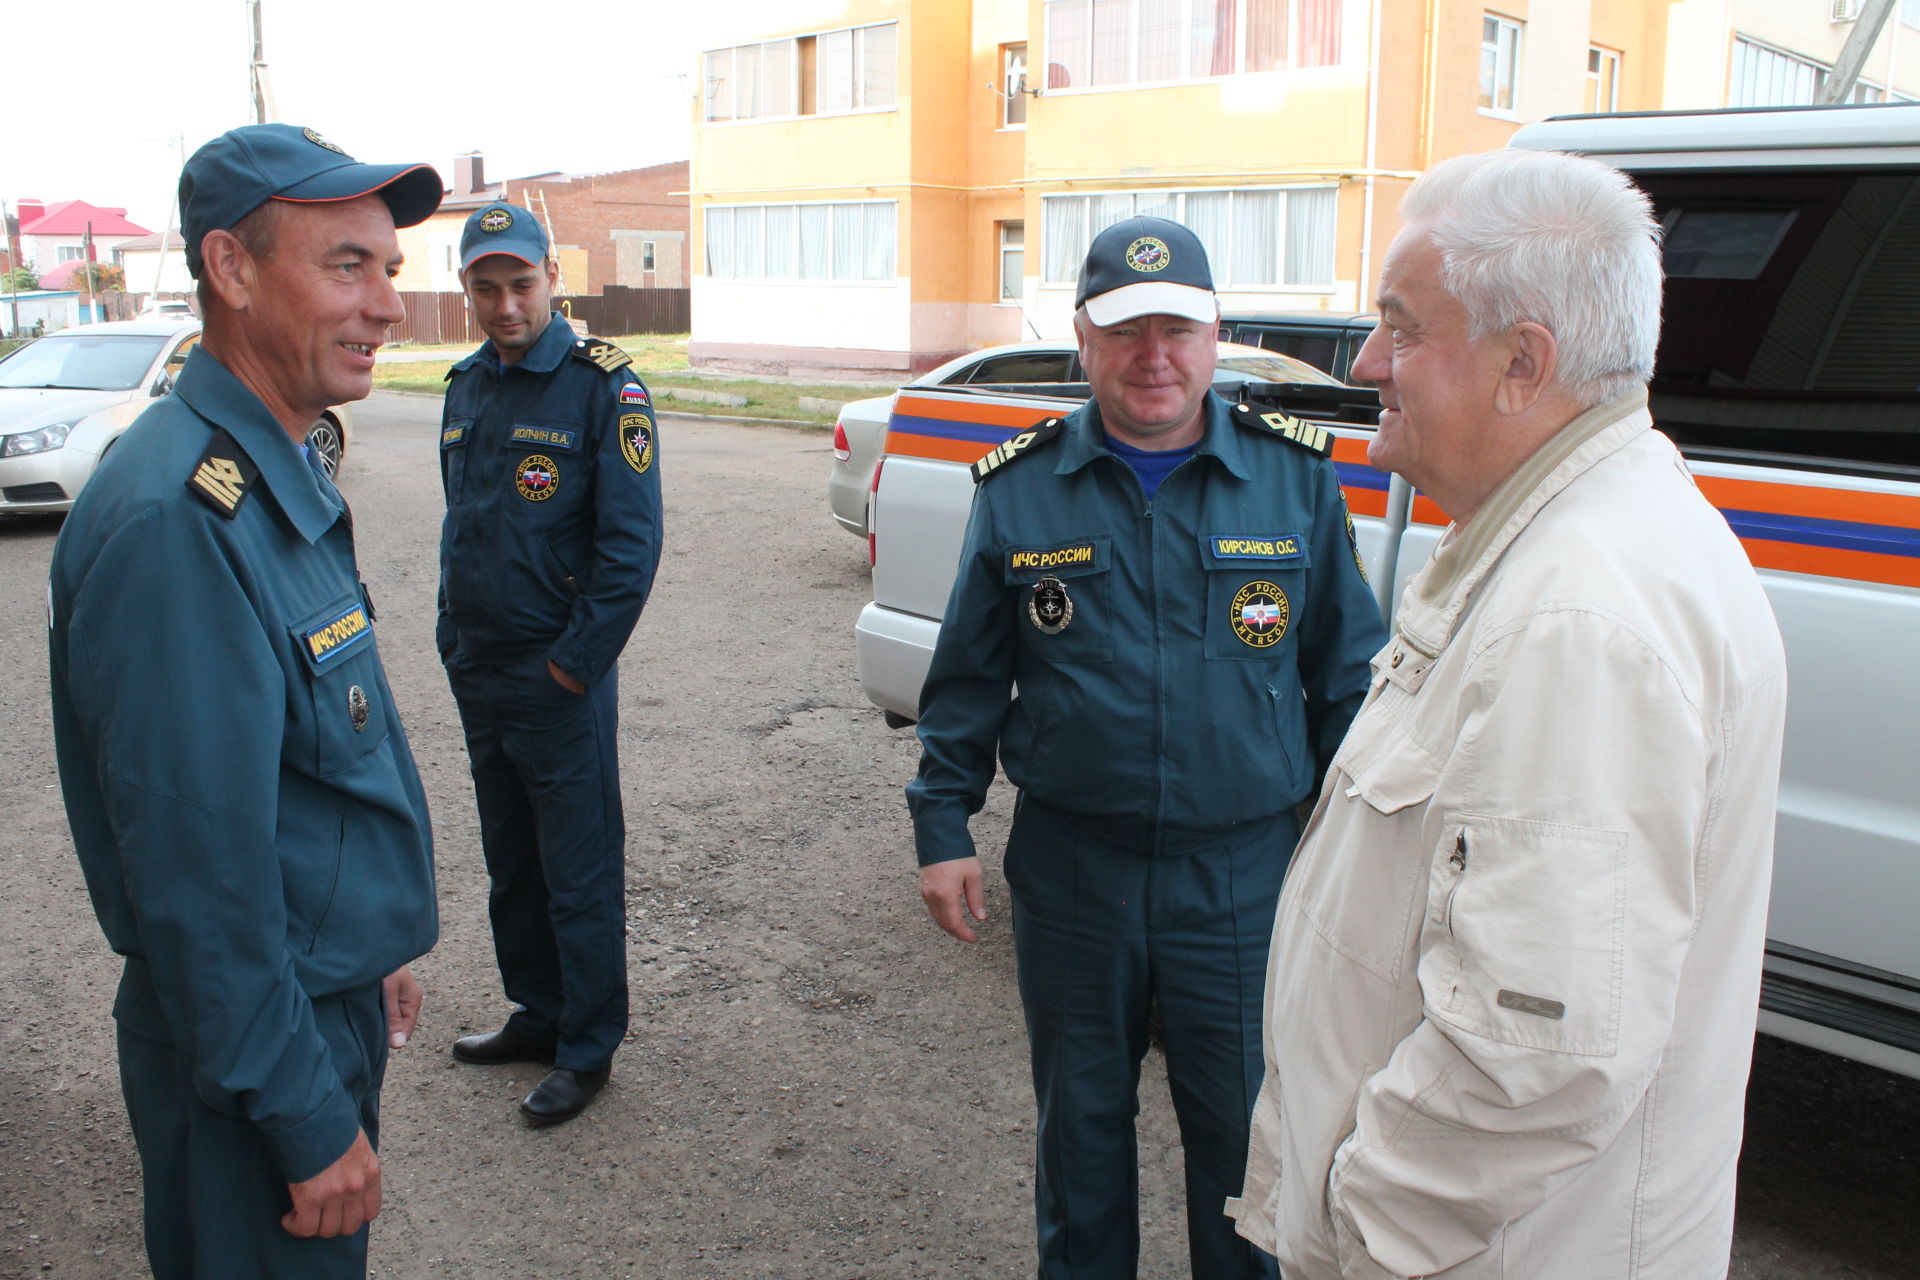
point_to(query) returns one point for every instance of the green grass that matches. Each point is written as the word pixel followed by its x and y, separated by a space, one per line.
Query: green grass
pixel 661 361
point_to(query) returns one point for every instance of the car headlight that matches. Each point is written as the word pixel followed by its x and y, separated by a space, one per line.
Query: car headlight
pixel 41 441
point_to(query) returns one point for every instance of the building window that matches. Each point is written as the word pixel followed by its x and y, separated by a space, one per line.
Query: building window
pixel 851 241
pixel 1603 79
pixel 1095 43
pixel 1013 261
pixel 1013 85
pixel 1260 238
pixel 1910 12
pixel 646 255
pixel 1768 77
pixel 833 71
pixel 1499 63
pixel 68 253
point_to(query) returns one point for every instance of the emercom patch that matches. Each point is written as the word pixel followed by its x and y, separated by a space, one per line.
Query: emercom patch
pixel 337 636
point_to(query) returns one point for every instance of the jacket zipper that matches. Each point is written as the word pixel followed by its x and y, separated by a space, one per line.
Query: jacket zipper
pixel 1458 861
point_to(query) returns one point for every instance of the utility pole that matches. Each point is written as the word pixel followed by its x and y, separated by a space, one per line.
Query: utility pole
pixel 261 109
pixel 1853 56
pixel 13 265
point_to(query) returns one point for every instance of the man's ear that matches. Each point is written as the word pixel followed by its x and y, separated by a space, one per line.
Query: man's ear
pixel 1533 361
pixel 228 269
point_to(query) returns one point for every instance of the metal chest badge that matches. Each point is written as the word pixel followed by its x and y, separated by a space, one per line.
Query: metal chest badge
pixel 1050 607
pixel 357 710
pixel 536 478
pixel 1259 614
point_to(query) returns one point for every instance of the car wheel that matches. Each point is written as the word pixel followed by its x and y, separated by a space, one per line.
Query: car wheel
pixel 323 437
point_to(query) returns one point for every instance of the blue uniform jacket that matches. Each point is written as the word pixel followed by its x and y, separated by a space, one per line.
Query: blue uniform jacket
pixel 252 829
pixel 1216 650
pixel 553 529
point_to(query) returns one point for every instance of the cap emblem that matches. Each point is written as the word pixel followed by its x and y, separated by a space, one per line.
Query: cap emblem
pixel 319 141
pixel 494 221
pixel 1149 254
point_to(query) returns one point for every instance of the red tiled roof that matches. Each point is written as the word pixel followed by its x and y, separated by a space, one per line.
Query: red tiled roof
pixel 61 277
pixel 70 218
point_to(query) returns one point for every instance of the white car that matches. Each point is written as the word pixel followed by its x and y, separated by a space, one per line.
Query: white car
pixel 66 398
pixel 1046 368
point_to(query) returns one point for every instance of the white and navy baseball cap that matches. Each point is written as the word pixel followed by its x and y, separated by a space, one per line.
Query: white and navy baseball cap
pixel 1146 267
pixel 503 228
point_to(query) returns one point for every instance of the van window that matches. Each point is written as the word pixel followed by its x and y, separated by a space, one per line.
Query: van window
pixel 1791 327
pixel 1321 350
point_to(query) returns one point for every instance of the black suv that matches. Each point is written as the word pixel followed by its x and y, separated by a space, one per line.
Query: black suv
pixel 1324 339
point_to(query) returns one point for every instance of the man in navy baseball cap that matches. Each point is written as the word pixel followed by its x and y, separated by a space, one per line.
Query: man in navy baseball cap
pixel 1143 267
pixel 503 228
pixel 242 169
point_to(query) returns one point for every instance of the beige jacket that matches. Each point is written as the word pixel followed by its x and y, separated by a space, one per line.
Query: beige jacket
pixel 1511 996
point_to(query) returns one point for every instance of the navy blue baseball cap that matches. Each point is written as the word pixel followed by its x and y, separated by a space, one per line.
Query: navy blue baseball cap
pixel 503 228
pixel 1146 267
pixel 243 168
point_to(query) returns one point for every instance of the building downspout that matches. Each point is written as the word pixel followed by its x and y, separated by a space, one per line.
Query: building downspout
pixel 1372 160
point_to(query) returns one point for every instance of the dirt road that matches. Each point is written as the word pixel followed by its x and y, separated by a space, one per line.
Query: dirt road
pixel 818 1084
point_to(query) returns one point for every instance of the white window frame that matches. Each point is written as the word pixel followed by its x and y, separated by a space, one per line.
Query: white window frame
pixel 1603 80
pixel 1220 256
pixel 63 253
pixel 1500 38
pixel 1013 85
pixel 789 50
pixel 1009 251
pixel 758 214
pixel 1186 74
pixel 1760 60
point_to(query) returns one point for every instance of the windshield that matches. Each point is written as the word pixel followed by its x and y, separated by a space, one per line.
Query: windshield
pixel 82 362
pixel 1271 367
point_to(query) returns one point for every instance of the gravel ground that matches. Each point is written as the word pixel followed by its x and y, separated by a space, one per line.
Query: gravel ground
pixel 818 1084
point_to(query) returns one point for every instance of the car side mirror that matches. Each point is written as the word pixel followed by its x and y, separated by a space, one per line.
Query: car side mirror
pixel 161 386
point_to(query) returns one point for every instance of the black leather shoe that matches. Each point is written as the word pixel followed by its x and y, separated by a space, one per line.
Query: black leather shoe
pixel 504 1045
pixel 563 1095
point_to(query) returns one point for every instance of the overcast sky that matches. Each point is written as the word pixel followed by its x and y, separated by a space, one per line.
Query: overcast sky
pixel 535 86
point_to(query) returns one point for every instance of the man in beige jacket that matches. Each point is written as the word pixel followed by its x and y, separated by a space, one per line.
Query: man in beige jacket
pixel 1512 990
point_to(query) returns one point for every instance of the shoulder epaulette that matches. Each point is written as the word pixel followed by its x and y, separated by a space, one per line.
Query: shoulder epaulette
pixel 1305 434
pixel 1026 442
pixel 222 476
pixel 601 352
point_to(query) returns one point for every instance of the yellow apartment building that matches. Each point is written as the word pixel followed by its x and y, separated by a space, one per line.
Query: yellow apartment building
pixel 879 185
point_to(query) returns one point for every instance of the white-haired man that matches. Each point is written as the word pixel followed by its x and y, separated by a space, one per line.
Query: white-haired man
pixel 1511 995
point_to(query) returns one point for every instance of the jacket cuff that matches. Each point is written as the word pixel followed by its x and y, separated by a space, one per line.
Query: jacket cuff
pixel 571 657
pixel 940 835
pixel 302 1150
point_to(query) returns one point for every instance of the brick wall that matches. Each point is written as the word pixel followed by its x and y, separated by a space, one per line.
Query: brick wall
pixel 611 216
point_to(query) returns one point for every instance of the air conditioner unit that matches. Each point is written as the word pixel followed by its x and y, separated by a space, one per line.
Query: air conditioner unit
pixel 1845 10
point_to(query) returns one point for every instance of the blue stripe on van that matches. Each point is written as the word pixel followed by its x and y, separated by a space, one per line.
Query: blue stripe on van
pixel 1843 535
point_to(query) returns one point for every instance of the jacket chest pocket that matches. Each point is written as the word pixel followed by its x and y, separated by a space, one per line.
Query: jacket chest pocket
pixel 339 717
pixel 453 457
pixel 546 466
pixel 1256 588
pixel 1062 595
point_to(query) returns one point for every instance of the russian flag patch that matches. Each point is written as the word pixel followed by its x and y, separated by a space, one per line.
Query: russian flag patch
pixel 632 393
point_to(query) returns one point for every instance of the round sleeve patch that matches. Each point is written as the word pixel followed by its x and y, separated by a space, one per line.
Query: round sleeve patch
pixel 636 441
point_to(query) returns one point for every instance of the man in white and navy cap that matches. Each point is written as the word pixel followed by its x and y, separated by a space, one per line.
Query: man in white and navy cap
pixel 1169 583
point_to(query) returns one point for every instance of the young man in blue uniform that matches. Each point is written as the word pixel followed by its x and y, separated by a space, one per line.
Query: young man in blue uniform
pixel 245 807
pixel 552 535
pixel 1170 582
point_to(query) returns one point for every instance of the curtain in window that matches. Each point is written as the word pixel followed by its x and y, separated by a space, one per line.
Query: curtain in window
pixel 1319 33
pixel 877 66
pixel 750 242
pixel 1162 46
pixel 1156 204
pixel 776 75
pixel 815 241
pixel 1266 35
pixel 1256 237
pixel 877 264
pixel 719 86
pixel 1310 231
pixel 847 236
pixel 720 243
pixel 834 54
pixel 1068 51
pixel 1104 211
pixel 746 84
pixel 780 256
pixel 1112 36
pixel 1206 216
pixel 1065 238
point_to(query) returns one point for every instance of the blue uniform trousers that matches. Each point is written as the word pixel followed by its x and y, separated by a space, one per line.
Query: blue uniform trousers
pixel 214 1194
pixel 546 781
pixel 1106 924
